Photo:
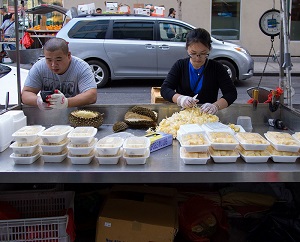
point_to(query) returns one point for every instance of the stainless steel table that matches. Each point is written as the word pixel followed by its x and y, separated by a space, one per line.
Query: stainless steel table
pixel 163 166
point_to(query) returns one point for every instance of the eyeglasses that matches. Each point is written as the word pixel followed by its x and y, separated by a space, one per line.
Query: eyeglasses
pixel 194 56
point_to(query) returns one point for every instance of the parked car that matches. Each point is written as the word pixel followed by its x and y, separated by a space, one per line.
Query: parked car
pixel 8 83
pixel 138 47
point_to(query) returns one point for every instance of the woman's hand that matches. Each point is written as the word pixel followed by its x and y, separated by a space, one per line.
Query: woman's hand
pixel 209 108
pixel 186 101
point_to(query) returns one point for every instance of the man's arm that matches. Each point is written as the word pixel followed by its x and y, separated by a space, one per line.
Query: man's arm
pixel 84 98
pixel 29 96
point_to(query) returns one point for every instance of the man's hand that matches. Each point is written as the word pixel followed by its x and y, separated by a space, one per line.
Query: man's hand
pixel 57 100
pixel 209 108
pixel 186 101
pixel 42 105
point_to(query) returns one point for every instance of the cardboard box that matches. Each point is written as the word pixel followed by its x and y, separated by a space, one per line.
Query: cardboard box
pixel 156 97
pixel 111 7
pixel 138 214
pixel 144 11
pixel 86 8
pixel 159 140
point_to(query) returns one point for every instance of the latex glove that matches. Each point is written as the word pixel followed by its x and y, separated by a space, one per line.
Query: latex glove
pixel 42 105
pixel 186 101
pixel 209 108
pixel 57 100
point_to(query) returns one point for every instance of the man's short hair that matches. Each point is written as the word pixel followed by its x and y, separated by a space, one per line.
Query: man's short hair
pixel 55 44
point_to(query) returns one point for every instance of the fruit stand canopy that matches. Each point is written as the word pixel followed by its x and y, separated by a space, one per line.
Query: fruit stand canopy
pixel 46 8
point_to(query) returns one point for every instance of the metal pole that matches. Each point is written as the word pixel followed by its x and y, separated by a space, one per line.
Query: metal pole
pixel 287 56
pixel 17 51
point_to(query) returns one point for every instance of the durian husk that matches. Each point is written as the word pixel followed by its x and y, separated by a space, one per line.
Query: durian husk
pixel 119 126
pixel 145 111
pixel 80 118
pixel 136 120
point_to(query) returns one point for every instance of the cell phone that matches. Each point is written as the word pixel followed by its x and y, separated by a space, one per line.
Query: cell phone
pixel 44 94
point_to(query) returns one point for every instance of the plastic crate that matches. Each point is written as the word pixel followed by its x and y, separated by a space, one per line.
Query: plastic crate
pixel 44 217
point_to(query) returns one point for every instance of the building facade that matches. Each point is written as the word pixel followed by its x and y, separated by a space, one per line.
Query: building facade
pixel 239 17
pixel 232 20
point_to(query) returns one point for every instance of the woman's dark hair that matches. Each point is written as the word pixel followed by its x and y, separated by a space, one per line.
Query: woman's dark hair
pixel 171 10
pixel 198 36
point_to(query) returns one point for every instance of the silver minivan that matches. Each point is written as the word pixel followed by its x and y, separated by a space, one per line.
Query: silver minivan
pixel 139 47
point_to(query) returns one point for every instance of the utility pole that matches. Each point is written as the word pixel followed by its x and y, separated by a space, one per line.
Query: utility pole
pixel 179 2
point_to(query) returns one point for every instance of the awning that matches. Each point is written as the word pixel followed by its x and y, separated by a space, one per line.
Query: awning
pixel 46 8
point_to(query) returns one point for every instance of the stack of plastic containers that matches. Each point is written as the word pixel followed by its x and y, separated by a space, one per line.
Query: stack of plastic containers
pixel 82 144
pixel 253 147
pixel 284 147
pixel 136 150
pixel 109 150
pixel 223 146
pixel 26 148
pixel 194 144
pixel 54 143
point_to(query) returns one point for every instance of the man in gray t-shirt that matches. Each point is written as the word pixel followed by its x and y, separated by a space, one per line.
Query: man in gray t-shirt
pixel 68 77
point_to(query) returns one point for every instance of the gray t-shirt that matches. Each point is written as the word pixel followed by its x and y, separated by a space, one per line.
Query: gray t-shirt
pixel 77 79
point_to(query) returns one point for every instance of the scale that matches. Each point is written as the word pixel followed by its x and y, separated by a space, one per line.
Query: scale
pixel 270 25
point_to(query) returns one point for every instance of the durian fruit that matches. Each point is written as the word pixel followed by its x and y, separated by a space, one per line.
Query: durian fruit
pixel 145 111
pixel 138 121
pixel 85 118
pixel 119 126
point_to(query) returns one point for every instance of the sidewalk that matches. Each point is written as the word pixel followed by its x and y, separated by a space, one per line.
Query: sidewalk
pixel 272 67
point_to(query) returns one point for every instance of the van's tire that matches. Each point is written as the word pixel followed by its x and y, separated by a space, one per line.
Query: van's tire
pixel 230 69
pixel 100 71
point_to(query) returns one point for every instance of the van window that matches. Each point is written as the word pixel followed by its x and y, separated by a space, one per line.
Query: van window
pixel 89 29
pixel 173 32
pixel 133 30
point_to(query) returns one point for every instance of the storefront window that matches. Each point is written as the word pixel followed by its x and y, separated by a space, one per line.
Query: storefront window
pixel 295 20
pixel 225 20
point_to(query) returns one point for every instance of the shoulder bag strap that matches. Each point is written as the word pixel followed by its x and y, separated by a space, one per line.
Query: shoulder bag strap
pixel 8 26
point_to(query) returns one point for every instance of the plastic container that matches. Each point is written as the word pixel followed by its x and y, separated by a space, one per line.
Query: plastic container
pixel 109 146
pixel 28 148
pixel 252 141
pixel 194 142
pixel 54 157
pixel 283 156
pixel 28 134
pixel 194 158
pixel 222 140
pixel 283 141
pixel 109 160
pixel 6 131
pixel 26 159
pixel 136 145
pixel 217 127
pixel 82 150
pixel 54 147
pixel 245 122
pixel 55 134
pixel 224 156
pixel 81 159
pixel 44 216
pixel 136 159
pixel 254 156
pixel 19 119
pixel 82 135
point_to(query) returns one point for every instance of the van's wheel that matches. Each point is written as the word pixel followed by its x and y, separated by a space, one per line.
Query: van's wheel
pixel 100 71
pixel 230 69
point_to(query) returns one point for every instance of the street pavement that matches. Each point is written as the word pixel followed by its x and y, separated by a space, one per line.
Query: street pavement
pixel 271 69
